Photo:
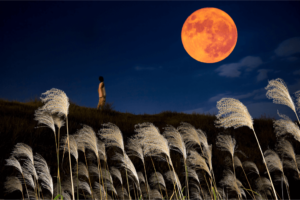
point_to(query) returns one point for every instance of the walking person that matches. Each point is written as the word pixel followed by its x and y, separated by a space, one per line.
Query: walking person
pixel 102 93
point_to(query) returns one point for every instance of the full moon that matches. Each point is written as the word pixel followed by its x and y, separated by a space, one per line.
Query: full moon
pixel 209 35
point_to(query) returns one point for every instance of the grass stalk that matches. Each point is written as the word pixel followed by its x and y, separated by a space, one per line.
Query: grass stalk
pixel 146 180
pixel 156 176
pixel 173 181
pixel 265 164
pixel 70 164
pixel 187 179
pixel 88 174
pixel 99 169
pixel 248 182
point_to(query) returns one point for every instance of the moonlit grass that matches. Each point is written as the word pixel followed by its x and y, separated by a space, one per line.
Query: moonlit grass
pixel 232 113
pixel 56 101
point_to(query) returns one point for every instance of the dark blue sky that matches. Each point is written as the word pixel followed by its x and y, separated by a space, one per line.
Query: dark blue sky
pixel 137 48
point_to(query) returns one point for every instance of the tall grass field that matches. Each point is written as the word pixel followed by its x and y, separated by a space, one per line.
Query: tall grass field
pixel 52 148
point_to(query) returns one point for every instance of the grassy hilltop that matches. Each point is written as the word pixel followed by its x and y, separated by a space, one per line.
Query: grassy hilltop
pixel 17 125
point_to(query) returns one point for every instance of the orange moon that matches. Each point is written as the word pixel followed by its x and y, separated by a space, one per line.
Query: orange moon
pixel 209 35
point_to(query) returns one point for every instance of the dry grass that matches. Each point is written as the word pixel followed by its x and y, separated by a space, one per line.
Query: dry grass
pixel 230 182
pixel 278 91
pixel 286 125
pixel 44 173
pixel 148 142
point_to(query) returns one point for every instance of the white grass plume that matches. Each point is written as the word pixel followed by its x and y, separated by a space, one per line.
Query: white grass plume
pixel 191 136
pixel 127 163
pixel 286 149
pixel 197 162
pixel 175 140
pixel 56 101
pixel 12 161
pixel 232 183
pixel 106 175
pixel 115 172
pixel 12 184
pixel 251 166
pixel 58 121
pixel 22 149
pixel 153 143
pixel 66 195
pixel 280 178
pixel 154 194
pixel 110 187
pixel 135 149
pixel 44 117
pixel 89 138
pixel 141 177
pixel 286 125
pixel 73 146
pixel 101 150
pixel 82 170
pixel 67 185
pixel 263 185
pixel 232 113
pixel 157 178
pixel 121 192
pixel 278 91
pixel 226 143
pixel 30 168
pixel 31 195
pixel 93 169
pixel 112 136
pixel 192 173
pixel 97 188
pixel 84 186
pixel 273 161
pixel 237 162
pixel 195 191
pixel 207 153
pixel 172 176
pixel 28 178
pixel 44 173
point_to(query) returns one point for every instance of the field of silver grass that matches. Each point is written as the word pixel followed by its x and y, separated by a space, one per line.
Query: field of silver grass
pixel 90 176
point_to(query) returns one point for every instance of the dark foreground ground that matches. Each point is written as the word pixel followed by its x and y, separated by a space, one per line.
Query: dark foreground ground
pixel 17 124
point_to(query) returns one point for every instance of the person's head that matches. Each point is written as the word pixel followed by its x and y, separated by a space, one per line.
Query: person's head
pixel 101 79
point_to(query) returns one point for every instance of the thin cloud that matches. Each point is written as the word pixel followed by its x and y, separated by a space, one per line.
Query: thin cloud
pixel 288 47
pixel 234 69
pixel 262 74
pixel 256 94
pixel 217 97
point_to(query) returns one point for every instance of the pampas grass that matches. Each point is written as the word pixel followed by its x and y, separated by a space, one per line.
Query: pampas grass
pixel 13 184
pixel 148 142
pixel 286 149
pixel 128 165
pixel 285 125
pixel 251 166
pixel 57 102
pixel 278 91
pixel 274 163
pixel 232 113
pixel 230 182
pixel 176 142
pixel 44 173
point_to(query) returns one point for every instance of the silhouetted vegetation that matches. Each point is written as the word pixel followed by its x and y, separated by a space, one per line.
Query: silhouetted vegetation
pixel 17 125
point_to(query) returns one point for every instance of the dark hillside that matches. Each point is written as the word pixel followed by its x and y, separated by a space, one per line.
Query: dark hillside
pixel 17 124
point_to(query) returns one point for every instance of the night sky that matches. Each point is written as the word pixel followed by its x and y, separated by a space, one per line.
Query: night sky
pixel 137 48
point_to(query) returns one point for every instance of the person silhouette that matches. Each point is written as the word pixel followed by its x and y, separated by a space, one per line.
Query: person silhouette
pixel 102 93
